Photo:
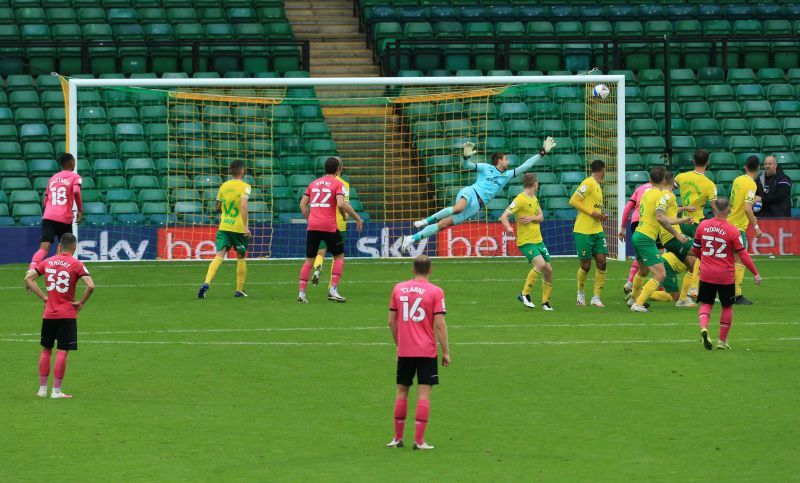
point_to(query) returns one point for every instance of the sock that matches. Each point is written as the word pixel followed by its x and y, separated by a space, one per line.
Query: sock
pixel 212 269
pixel 44 366
pixel 241 273
pixel 725 320
pixel 739 277
pixel 634 270
pixel 426 232
pixel 582 276
pixel 687 284
pixel 60 369
pixel 661 296
pixel 440 215
pixel 331 277
pixel 547 289
pixel 647 291
pixel 599 282
pixel 37 257
pixel 305 272
pixel 704 314
pixel 421 416
pixel 318 262
pixel 533 275
pixel 696 274
pixel 638 283
pixel 400 410
pixel 336 272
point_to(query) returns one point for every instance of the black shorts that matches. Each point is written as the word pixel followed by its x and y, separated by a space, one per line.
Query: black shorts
pixel 52 229
pixel 333 240
pixel 634 224
pixel 708 292
pixel 426 369
pixel 65 331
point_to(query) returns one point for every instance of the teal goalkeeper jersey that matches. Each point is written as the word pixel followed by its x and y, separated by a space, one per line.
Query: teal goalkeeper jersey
pixel 491 180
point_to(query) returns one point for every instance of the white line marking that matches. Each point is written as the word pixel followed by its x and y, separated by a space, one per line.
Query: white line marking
pixel 367 328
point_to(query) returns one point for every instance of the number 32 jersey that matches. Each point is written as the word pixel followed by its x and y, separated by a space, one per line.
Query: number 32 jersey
pixel 322 195
pixel 61 274
pixel 716 241
pixel 60 196
pixel 416 303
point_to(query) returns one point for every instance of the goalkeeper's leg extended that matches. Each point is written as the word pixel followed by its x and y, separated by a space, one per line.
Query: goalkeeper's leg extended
pixel 466 206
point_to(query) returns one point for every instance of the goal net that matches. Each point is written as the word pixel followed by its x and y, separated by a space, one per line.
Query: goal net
pixel 153 153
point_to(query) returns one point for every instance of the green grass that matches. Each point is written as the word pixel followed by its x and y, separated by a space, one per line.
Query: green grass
pixel 168 387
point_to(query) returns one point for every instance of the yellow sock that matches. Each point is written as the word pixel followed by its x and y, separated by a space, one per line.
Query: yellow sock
pixel 331 276
pixel 638 283
pixel 533 275
pixel 212 269
pixel 696 274
pixel 599 282
pixel 661 296
pixel 687 283
pixel 582 276
pixel 547 290
pixel 241 273
pixel 318 261
pixel 739 278
pixel 647 291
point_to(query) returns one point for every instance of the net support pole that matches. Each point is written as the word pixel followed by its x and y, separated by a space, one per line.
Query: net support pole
pixel 72 137
pixel 621 161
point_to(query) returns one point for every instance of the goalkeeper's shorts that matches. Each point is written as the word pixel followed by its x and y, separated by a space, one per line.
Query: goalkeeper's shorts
pixel 472 208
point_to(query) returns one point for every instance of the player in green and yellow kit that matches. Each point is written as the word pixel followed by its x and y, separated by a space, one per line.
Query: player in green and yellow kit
pixel 681 250
pixel 233 231
pixel 743 195
pixel 528 217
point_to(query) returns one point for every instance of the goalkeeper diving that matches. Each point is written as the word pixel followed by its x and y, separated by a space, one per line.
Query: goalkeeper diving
pixel 491 179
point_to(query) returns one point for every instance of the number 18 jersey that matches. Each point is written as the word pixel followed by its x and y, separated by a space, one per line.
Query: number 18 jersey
pixel 416 303
pixel 717 241
pixel 322 195
pixel 60 196
pixel 61 274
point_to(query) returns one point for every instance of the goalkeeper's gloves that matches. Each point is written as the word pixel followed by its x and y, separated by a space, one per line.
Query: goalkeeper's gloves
pixel 469 149
pixel 547 146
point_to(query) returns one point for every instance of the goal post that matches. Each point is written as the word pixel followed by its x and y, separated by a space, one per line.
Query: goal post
pixel 154 152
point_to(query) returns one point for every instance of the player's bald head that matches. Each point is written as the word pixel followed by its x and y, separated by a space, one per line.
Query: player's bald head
pixel 422 265
pixel 722 206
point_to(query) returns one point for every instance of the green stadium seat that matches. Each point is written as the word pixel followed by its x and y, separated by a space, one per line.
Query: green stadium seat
pixel 767 125
pixel 791 126
pixel 774 143
pixel 712 143
pixel 784 109
pixel 650 144
pixel 23 196
pixel 726 109
pixel 24 98
pixel 781 92
pixel 721 160
pixel 13 168
pixel 95 208
pixel 704 127
pixel 710 75
pixel 789 160
pixel 741 144
pixel 741 76
pixel 696 110
pixel 642 127
pixel 42 167
pixel 119 195
pixel 752 109
pixel 658 109
pixel 750 92
pixel 22 210
pixel 651 77
pixel 692 93
pixel 37 150
pixel 735 127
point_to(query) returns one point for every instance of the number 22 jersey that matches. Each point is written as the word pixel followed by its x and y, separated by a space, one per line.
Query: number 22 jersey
pixel 322 195
pixel 61 274
pixel 416 303
pixel 717 241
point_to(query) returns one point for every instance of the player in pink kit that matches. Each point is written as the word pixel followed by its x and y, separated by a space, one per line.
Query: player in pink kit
pixel 59 322
pixel 632 209
pixel 62 193
pixel 321 200
pixel 416 319
pixel 715 243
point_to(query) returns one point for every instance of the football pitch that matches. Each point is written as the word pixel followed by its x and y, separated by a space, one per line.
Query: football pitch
pixel 168 387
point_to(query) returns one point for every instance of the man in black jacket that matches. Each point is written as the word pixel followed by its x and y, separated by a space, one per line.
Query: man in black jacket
pixel 775 190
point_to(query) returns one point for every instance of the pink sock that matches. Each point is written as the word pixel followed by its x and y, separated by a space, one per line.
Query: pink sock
pixel 634 270
pixel 725 321
pixel 60 368
pixel 400 410
pixel 704 314
pixel 44 366
pixel 305 272
pixel 421 416
pixel 336 273
pixel 37 257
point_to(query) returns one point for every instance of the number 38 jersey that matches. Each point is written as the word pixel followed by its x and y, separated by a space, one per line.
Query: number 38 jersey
pixel 230 195
pixel 60 196
pixel 322 194
pixel 717 241
pixel 416 303
pixel 61 274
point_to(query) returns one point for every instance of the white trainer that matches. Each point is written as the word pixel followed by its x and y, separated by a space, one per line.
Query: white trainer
pixel 315 276
pixel 692 293
pixel 597 302
pixel 526 301
pixel 423 446
pixel 57 394
pixel 723 345
pixel 630 300
pixel 395 443
pixel 581 299
pixel 301 299
pixel 42 392
pixel 638 308
pixel 406 244
pixel 334 296
pixel 421 223
pixel 546 306
pixel 687 302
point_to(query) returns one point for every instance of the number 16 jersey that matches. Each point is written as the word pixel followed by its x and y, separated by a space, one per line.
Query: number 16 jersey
pixel 230 195
pixel 717 241
pixel 416 303
pixel 61 274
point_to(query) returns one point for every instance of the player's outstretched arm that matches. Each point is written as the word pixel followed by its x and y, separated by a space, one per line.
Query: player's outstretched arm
pixel 547 146
pixel 30 283
pixel 86 293
pixel 440 327
pixel 469 150
pixel 304 206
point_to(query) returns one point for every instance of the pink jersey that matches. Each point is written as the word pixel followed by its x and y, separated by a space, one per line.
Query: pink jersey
pixel 416 302
pixel 322 195
pixel 716 241
pixel 636 197
pixel 61 274
pixel 62 191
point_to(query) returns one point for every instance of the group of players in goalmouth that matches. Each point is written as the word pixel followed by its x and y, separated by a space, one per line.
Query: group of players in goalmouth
pixel 712 252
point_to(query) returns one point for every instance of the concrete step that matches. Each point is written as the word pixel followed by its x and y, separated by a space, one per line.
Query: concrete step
pixel 341 60
pixel 345 71
pixel 300 29
pixel 341 44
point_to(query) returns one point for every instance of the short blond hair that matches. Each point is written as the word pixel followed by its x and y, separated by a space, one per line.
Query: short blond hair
pixel 528 180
